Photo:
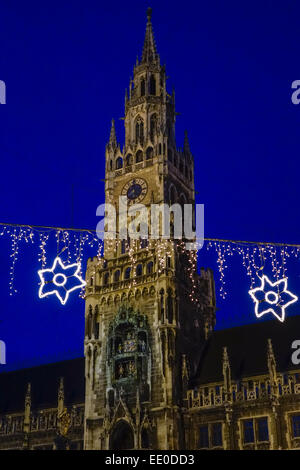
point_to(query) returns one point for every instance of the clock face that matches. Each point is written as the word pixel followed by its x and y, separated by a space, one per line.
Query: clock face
pixel 135 190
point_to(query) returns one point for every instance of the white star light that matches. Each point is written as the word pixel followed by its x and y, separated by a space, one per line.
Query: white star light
pixel 60 276
pixel 270 298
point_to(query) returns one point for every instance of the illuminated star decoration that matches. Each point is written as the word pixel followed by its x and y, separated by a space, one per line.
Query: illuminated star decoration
pixel 60 280
pixel 272 298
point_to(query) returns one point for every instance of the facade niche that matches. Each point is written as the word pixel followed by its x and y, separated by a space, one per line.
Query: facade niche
pixel 128 350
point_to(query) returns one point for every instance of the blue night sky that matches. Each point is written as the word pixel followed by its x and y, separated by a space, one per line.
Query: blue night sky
pixel 66 65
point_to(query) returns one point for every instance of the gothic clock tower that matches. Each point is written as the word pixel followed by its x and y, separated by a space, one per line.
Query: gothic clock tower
pixel 144 333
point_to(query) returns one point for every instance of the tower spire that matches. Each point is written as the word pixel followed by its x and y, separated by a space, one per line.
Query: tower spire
pixel 149 51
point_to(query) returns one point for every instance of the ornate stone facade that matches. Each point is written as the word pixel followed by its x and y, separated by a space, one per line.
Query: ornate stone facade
pixel 145 281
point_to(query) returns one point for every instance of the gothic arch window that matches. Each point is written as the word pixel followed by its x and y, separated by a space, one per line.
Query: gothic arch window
pixel 152 87
pixel 119 163
pixel 153 126
pixel 96 323
pixel 139 156
pixel 170 307
pixel 150 267
pixel 128 159
pixel 139 270
pixel 162 305
pixel 143 243
pixel 139 131
pixel 127 273
pixel 89 322
pixel 143 87
pixel 159 149
pixel 149 153
pixel 105 279
pixel 123 246
pixel 111 165
pixel 117 275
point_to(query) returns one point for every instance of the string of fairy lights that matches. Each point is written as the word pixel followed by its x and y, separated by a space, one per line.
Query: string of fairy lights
pixel 71 244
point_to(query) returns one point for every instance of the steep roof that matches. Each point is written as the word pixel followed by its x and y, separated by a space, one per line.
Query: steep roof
pixel 44 385
pixel 247 350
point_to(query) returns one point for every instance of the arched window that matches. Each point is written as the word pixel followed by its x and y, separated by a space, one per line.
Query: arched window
pixel 96 323
pixel 119 163
pixel 117 276
pixel 139 156
pixel 105 279
pixel 159 149
pixel 111 165
pixel 89 322
pixel 152 85
pixel 162 305
pixel 149 153
pixel 139 131
pixel 123 246
pixel 128 159
pixel 143 87
pixel 170 307
pixel 127 273
pixel 143 243
pixel 153 121
pixel 139 270
pixel 150 267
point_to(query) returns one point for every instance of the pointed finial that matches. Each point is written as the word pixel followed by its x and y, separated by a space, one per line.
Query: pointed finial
pixel 112 137
pixel 225 354
pixel 226 373
pixel 149 14
pixel 272 368
pixel 186 145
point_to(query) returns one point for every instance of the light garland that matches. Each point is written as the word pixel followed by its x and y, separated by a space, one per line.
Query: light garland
pixel 254 255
